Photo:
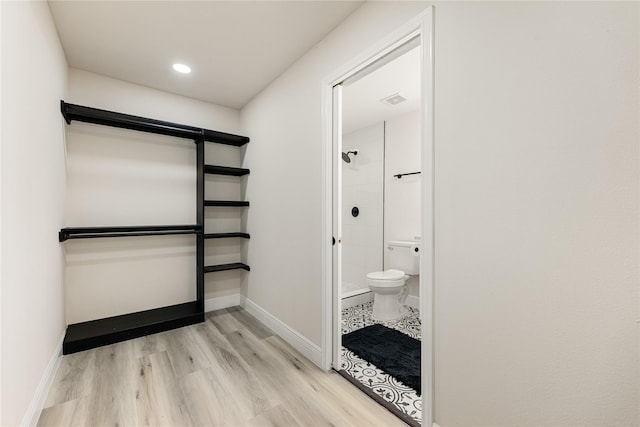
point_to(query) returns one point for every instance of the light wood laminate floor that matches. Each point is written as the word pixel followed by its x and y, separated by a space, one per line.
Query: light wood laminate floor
pixel 228 371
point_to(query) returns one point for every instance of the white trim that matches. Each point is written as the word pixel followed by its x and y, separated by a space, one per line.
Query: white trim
pixel 40 396
pixel 371 55
pixel 355 292
pixel 421 25
pixel 327 238
pixel 219 303
pixel 336 200
pixel 413 301
pixel 358 299
pixel 435 424
pixel 308 349
pixel 427 258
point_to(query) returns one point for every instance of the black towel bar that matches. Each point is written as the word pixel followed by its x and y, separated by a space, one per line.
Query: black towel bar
pixel 400 175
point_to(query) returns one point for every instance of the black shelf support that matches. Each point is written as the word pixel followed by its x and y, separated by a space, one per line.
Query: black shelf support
pixel 224 170
pixel 226 235
pixel 200 221
pixel 230 203
pixel 225 267
pixel 143 124
pixel 126 231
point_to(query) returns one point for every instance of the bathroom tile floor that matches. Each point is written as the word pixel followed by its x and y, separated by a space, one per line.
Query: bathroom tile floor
pixel 401 397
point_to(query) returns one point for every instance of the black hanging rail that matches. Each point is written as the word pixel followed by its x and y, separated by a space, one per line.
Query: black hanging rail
pixel 227 235
pixel 144 124
pixel 400 175
pixel 128 231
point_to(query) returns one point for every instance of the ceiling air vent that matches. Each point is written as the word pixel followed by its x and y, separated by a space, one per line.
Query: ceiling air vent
pixel 394 99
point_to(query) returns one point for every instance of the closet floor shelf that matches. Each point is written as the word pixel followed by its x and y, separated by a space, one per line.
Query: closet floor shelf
pixel 110 330
pixel 225 267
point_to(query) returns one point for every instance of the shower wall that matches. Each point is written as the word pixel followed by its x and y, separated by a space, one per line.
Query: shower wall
pixel 389 207
pixel 402 196
pixel 362 187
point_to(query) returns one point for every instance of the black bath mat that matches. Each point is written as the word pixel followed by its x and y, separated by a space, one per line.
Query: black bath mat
pixel 395 353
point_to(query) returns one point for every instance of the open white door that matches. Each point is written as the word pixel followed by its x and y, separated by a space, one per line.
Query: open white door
pixel 337 226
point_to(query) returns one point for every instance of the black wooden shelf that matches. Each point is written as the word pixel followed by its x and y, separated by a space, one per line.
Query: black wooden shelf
pixel 126 231
pixel 225 267
pixel 226 203
pixel 127 121
pixel 225 235
pixel 225 170
pixel 95 333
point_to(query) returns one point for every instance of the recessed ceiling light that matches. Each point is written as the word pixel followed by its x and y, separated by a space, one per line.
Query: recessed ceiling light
pixel 181 68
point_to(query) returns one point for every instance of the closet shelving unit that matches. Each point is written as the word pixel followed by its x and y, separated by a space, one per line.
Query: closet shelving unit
pixel 228 171
pixel 95 333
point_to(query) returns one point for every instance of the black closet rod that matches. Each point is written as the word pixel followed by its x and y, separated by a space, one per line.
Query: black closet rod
pixel 143 124
pixel 128 231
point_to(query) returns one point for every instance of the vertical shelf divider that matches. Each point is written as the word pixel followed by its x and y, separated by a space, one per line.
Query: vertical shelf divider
pixel 200 220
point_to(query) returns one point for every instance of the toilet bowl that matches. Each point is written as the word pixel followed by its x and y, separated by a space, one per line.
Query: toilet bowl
pixel 389 294
pixel 389 286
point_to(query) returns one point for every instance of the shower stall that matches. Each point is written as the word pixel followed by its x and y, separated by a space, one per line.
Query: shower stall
pixel 363 206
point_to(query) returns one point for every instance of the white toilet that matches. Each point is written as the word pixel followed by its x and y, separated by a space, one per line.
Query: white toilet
pixel 388 287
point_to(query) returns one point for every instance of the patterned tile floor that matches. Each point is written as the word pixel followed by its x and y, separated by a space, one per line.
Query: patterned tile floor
pixel 405 399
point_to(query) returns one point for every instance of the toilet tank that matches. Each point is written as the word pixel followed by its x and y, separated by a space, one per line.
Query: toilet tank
pixel 404 255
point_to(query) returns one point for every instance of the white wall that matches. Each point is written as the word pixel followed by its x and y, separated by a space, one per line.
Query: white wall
pixel 402 196
pixel 285 218
pixel 536 204
pixel 362 187
pixel 34 76
pixel 122 177
pixel 537 214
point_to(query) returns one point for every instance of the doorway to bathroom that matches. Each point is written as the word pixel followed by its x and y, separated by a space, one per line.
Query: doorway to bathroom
pixel 379 275
pixel 381 231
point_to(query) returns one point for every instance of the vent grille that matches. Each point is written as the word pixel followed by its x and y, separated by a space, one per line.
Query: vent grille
pixel 394 99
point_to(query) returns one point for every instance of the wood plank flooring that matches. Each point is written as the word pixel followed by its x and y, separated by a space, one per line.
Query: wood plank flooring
pixel 228 371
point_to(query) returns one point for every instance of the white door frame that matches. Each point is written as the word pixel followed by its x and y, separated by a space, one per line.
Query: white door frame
pixel 421 25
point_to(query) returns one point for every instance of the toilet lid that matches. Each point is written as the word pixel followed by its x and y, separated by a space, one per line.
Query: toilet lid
pixel 386 275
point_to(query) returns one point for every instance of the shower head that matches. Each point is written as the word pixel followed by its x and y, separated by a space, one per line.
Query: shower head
pixel 345 156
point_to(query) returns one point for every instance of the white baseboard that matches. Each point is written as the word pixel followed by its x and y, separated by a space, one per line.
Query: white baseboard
pixel 292 337
pixel 357 299
pixel 413 301
pixel 219 303
pixel 32 415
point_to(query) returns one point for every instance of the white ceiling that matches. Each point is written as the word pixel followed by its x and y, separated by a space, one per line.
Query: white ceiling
pixel 235 48
pixel 361 106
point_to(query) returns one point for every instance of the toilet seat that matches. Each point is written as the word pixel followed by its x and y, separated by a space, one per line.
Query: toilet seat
pixel 386 278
